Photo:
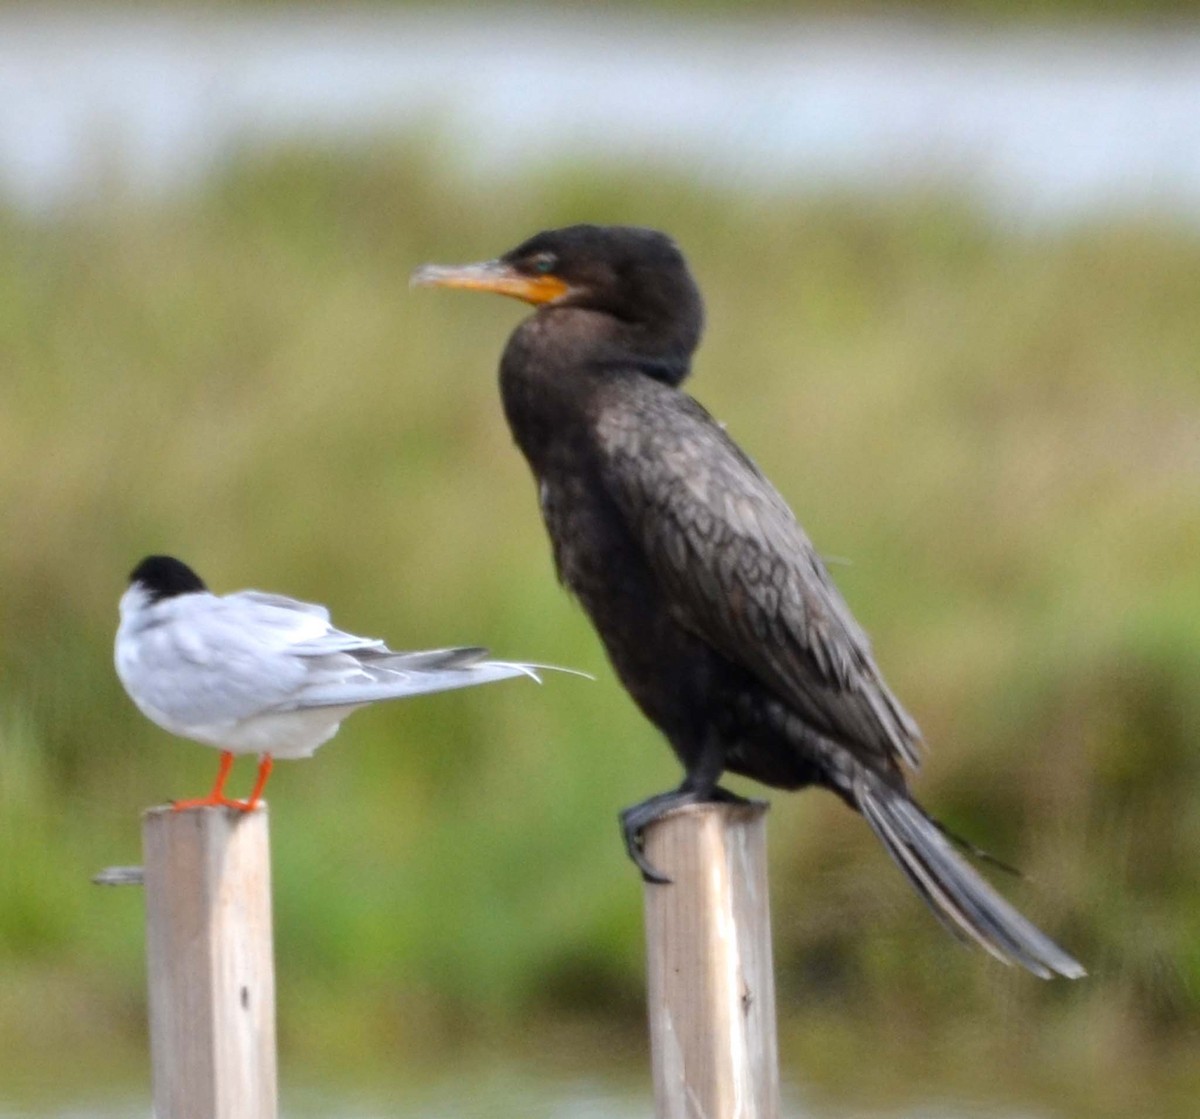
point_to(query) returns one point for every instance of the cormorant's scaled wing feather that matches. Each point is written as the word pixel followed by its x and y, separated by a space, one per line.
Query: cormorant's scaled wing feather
pixel 740 572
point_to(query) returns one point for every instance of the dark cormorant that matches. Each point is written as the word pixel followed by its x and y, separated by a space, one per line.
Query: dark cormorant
pixel 717 614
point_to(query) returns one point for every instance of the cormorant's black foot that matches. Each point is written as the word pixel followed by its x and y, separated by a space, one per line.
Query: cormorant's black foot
pixel 635 819
pixel 720 795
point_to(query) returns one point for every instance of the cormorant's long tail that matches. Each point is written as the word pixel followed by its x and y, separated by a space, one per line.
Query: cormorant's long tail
pixel 960 898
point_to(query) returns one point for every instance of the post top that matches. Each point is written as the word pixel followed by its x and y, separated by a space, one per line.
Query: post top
pixel 205 811
pixel 734 812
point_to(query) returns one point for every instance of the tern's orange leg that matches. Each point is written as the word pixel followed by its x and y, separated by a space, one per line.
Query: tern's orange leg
pixel 217 797
pixel 264 771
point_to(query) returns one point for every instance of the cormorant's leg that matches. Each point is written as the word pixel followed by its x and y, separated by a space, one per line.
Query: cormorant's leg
pixel 699 787
pixel 639 816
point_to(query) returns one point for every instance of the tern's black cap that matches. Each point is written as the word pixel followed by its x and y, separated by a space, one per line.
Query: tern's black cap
pixel 166 577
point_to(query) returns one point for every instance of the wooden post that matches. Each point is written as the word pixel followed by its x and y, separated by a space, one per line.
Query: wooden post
pixel 711 985
pixel 212 979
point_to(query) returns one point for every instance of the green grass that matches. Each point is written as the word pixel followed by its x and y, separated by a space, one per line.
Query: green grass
pixel 1001 433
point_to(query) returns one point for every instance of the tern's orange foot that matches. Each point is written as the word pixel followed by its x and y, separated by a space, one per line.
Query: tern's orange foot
pixel 215 802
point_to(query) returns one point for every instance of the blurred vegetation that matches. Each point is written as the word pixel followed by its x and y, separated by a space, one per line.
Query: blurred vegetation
pixel 1001 432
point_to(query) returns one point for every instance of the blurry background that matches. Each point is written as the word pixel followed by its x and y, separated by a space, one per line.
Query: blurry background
pixel 953 277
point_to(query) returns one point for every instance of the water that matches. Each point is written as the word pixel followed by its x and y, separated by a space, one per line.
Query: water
pixel 598 1083
pixel 515 1095
pixel 1043 125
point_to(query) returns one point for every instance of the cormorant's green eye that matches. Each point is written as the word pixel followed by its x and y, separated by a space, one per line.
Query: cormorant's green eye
pixel 544 263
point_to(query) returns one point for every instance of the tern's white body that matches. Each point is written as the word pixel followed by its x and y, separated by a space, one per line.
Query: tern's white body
pixel 254 673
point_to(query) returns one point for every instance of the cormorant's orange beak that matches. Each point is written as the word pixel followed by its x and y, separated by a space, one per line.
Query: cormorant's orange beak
pixel 491 275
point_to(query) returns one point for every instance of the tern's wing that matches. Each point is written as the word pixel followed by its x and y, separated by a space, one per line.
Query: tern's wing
pixel 279 602
pixel 300 628
pixel 200 664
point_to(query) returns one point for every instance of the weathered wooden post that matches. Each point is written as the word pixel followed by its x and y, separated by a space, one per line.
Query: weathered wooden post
pixel 711 982
pixel 210 962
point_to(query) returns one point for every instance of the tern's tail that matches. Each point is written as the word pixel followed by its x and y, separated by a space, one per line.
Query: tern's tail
pixel 433 659
pixel 388 675
pixel 960 898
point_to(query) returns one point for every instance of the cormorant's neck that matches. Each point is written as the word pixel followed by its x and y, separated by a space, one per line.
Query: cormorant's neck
pixel 661 349
pixel 560 359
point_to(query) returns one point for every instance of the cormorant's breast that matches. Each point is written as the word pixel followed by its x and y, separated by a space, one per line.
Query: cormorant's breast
pixel 549 376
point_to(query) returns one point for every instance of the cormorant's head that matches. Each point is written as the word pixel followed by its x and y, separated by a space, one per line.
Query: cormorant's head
pixel 637 276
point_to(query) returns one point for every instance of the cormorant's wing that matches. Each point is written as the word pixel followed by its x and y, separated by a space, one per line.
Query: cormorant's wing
pixel 739 571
